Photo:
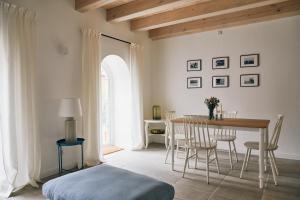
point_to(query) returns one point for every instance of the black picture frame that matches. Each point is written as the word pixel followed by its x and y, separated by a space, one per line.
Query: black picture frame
pixel 199 78
pixel 225 63
pixel 226 84
pixel 255 83
pixel 189 62
pixel 253 60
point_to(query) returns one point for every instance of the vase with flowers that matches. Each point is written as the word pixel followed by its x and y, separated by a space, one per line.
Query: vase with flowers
pixel 211 103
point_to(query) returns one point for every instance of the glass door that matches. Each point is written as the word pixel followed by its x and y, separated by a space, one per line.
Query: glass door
pixel 106 109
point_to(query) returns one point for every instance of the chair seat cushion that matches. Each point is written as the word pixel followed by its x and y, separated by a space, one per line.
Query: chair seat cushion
pixel 255 145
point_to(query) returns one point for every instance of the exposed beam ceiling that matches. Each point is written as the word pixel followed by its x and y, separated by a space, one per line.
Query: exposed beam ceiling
pixel 168 18
pixel 269 12
pixel 194 12
pixel 86 5
pixel 142 8
pixel 116 3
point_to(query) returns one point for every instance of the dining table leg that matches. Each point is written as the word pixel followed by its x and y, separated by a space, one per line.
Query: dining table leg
pixel 172 143
pixel 262 132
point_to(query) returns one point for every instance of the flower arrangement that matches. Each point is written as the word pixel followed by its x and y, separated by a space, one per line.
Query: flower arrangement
pixel 212 102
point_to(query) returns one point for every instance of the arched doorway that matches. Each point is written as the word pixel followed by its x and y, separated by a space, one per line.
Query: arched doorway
pixel 115 102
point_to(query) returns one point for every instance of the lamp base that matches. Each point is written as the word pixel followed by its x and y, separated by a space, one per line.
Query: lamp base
pixel 70 130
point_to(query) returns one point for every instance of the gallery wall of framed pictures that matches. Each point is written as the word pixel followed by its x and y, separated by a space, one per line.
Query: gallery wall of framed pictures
pixel 222 63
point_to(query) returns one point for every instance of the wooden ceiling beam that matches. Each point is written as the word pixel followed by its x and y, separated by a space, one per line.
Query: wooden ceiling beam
pixel 194 12
pixel 142 8
pixel 86 5
pixel 253 15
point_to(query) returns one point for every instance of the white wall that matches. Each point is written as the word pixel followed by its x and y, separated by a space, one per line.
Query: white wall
pixel 59 75
pixel 278 44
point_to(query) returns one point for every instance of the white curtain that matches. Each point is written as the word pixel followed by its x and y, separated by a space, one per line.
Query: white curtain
pixel 91 54
pixel 136 69
pixel 19 141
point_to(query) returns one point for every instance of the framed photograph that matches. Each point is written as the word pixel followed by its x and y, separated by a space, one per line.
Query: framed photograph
pixel 250 60
pixel 220 63
pixel 220 81
pixel 194 82
pixel 249 80
pixel 194 65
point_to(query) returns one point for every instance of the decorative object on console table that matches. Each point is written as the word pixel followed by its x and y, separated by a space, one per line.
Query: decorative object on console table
pixel 157 131
pixel 156 114
pixel 220 63
pixel 219 112
pixel 194 65
pixel 70 108
pixel 250 60
pixel 211 103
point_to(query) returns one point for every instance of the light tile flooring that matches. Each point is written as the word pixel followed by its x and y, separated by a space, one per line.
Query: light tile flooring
pixel 225 186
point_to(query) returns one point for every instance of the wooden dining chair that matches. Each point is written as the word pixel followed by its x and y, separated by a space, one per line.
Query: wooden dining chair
pixel 271 146
pixel 179 136
pixel 197 138
pixel 227 135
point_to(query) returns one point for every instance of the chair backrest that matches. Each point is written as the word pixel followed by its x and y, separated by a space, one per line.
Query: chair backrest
pixel 196 133
pixel 223 133
pixel 276 133
pixel 189 131
pixel 169 116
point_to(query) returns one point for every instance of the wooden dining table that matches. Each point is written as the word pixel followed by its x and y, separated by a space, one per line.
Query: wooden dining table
pixel 259 126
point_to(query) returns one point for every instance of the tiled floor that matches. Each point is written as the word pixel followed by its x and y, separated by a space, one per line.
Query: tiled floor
pixel 225 186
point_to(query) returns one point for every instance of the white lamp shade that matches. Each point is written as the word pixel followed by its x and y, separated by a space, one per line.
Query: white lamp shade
pixel 70 107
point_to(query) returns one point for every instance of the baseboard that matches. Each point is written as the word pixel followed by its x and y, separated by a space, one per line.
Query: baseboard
pixel 287 156
pixel 277 154
pixel 54 171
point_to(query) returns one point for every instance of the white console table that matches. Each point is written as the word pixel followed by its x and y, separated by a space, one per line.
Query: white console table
pixel 147 129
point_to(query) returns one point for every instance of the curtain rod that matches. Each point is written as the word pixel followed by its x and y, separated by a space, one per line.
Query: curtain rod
pixel 108 36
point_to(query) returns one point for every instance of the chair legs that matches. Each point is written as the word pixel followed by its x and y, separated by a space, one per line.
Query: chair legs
pixel 271 160
pixel 217 161
pixel 236 157
pixel 186 161
pixel 244 163
pixel 196 159
pixel 274 162
pixel 168 150
pixel 167 141
pixel 208 160
pixel 230 152
pixel 248 158
pixel 177 148
pixel 207 166
pixel 273 168
pixel 230 155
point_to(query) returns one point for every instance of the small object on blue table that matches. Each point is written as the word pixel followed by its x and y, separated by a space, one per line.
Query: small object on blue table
pixel 61 143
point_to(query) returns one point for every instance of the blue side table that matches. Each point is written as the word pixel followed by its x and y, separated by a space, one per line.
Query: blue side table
pixel 62 143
